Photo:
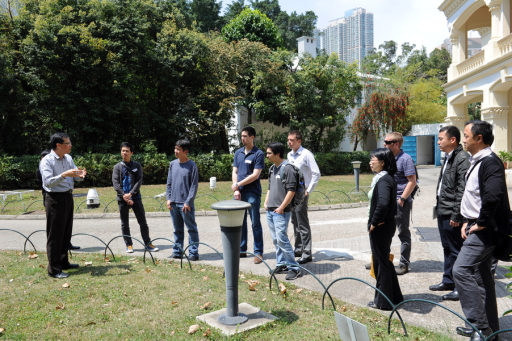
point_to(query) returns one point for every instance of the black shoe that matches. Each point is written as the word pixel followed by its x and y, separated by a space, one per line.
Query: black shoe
pixel 193 258
pixel 453 296
pixel 280 271
pixel 442 287
pixel 72 247
pixel 401 269
pixel 60 275
pixel 243 255
pixel 70 266
pixel 368 266
pixel 371 304
pixel 303 260
pixel 176 256
pixel 292 274
pixel 297 253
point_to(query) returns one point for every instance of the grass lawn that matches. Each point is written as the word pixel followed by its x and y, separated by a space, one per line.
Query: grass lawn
pixel 129 300
pixel 204 198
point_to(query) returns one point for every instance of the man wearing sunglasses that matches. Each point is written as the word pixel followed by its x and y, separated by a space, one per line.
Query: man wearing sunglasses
pixel 405 179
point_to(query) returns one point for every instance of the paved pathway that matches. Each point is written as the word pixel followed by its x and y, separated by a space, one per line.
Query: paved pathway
pixel 341 248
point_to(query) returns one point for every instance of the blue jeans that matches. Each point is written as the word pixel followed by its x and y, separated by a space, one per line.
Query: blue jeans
pixel 278 225
pixel 257 231
pixel 179 219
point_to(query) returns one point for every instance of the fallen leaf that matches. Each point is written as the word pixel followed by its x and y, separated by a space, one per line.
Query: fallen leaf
pixel 172 333
pixel 208 332
pixel 127 271
pixel 157 262
pixel 59 306
pixel 125 295
pixel 174 302
pixel 242 276
pixel 298 291
pixel 206 305
pixel 194 328
pixel 2 330
pixel 203 270
pixel 33 256
pixel 65 285
pixel 263 300
pixel 90 323
pixel 129 260
pixel 282 289
pixel 42 266
pixel 10 281
pixel 343 308
pixel 87 263
pixel 107 260
pixel 147 270
pixel 170 262
pixel 205 278
pixel 252 284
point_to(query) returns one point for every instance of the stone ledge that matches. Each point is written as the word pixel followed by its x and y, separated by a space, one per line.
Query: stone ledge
pixel 166 214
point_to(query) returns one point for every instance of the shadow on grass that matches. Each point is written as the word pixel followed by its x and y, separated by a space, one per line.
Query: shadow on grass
pixel 419 307
pixel 101 270
pixel 285 316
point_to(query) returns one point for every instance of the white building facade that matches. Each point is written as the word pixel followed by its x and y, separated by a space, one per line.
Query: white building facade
pixel 485 77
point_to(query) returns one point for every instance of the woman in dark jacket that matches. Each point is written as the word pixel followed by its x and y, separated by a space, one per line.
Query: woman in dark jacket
pixel 382 227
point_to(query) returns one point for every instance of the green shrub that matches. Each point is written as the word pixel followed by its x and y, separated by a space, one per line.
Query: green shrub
pixel 20 172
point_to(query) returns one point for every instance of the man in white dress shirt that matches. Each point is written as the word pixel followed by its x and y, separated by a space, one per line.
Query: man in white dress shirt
pixel 305 161
pixel 486 210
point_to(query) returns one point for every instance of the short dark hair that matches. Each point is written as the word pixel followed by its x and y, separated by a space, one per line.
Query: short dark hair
pixel 57 138
pixel 297 134
pixel 128 145
pixel 250 130
pixel 277 148
pixel 386 155
pixel 184 144
pixel 45 152
pixel 451 131
pixel 482 128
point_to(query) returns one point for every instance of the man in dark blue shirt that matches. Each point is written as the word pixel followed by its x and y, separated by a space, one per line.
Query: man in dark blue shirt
pixel 248 163
pixel 127 179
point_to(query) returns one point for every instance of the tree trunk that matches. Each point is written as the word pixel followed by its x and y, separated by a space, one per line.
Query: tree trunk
pixel 356 142
pixel 224 140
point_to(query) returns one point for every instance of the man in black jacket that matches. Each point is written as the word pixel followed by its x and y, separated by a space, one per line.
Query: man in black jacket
pixel 486 210
pixel 450 189
pixel 127 179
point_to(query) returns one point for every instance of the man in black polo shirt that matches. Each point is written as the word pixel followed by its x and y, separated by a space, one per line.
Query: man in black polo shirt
pixel 248 163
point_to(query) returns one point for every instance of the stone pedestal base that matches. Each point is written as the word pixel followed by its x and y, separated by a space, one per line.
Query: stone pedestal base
pixel 256 318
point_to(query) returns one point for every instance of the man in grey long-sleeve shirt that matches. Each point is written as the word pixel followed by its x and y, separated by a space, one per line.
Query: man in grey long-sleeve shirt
pixel 182 183
pixel 59 173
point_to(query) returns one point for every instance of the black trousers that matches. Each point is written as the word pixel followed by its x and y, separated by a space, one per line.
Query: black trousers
pixel 140 214
pixel 301 228
pixel 59 228
pixel 474 280
pixel 387 280
pixel 452 241
pixel 403 219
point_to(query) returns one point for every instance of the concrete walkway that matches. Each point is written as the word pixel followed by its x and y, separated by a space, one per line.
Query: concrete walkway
pixel 341 248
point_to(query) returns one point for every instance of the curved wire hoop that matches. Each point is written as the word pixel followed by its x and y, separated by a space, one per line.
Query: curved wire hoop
pixel 106 207
pixel 312 274
pixel 197 243
pixel 7 203
pixel 327 200
pixel 173 243
pixel 106 246
pixel 490 337
pixel 360 190
pixel 370 285
pixel 270 270
pixel 125 235
pixel 32 203
pixel 209 195
pixel 337 190
pixel 434 303
pixel 26 238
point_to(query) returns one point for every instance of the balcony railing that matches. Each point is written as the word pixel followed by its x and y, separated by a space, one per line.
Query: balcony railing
pixel 471 63
pixel 505 44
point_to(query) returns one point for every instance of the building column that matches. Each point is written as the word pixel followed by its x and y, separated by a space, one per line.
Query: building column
pixel 452 70
pixel 457 115
pixel 498 117
pixel 495 9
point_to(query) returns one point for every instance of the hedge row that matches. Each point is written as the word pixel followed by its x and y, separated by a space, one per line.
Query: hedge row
pixel 20 172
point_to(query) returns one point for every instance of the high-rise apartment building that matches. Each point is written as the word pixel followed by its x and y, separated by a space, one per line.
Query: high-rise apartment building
pixel 317 36
pixel 350 37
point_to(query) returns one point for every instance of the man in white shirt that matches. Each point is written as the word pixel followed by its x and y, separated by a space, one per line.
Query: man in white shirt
pixel 305 161
pixel 486 209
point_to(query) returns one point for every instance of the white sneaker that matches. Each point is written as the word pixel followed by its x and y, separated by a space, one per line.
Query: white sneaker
pixel 129 249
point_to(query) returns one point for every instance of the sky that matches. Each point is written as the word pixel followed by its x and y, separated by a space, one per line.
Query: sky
pixel 414 21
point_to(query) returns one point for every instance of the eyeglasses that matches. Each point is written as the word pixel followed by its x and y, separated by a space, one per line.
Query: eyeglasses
pixel 390 142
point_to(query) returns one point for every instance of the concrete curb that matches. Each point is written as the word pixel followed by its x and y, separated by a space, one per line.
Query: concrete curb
pixel 166 214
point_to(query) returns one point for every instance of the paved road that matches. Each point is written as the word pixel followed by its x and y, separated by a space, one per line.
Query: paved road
pixel 341 248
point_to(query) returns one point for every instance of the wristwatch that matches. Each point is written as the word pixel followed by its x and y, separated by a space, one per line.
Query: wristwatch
pixel 237 185
pixel 402 198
